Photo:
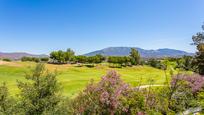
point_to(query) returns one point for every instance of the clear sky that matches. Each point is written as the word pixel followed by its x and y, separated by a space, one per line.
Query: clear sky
pixel 40 26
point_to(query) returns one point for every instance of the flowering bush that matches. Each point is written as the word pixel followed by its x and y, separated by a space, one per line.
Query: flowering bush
pixel 195 81
pixel 110 96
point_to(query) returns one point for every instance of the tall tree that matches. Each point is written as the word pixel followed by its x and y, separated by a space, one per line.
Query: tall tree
pixel 62 57
pixel 135 56
pixel 53 56
pixel 69 54
pixel 40 94
pixel 198 40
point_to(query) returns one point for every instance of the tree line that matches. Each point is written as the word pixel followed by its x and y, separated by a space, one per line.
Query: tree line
pixel 35 59
pixel 62 57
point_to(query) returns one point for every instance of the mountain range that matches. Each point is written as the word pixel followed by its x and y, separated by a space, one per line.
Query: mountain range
pixel 18 55
pixel 125 51
pixel 111 51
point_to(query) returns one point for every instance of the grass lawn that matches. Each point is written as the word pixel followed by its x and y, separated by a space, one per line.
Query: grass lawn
pixel 74 79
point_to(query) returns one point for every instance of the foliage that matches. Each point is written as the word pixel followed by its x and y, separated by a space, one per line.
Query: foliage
pixel 195 82
pixel 40 93
pixel 156 63
pixel 34 59
pixel 44 59
pixel 6 102
pixel 175 98
pixel 69 54
pixel 115 66
pixel 198 40
pixel 180 95
pixel 95 59
pixel 109 96
pixel 6 59
pixel 80 59
pixel 61 57
pixel 185 63
pixel 90 59
pixel 122 60
pixel 201 98
pixel 135 56
pixel 90 65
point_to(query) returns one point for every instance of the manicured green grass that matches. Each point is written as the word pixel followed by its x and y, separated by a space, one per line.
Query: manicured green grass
pixel 74 79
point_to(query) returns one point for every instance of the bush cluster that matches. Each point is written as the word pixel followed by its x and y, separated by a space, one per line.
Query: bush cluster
pixel 121 60
pixel 6 59
pixel 156 63
pixel 35 59
pixel 63 57
pixel 88 59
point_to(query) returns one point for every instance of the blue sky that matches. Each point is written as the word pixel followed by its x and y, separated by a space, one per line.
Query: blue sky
pixel 40 26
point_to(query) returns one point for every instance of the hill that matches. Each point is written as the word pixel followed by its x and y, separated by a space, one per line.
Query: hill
pixel 18 55
pixel 124 51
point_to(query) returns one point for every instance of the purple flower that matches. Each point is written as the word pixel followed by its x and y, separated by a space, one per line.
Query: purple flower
pixel 195 81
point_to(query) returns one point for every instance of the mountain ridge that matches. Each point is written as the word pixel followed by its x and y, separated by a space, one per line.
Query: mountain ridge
pixel 124 51
pixel 111 51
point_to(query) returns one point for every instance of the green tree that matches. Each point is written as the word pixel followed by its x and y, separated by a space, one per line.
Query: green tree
pixel 69 54
pixel 62 57
pixel 102 58
pixel 135 56
pixel 41 93
pixel 58 56
pixel 80 59
pixel 53 56
pixel 186 63
pixel 198 40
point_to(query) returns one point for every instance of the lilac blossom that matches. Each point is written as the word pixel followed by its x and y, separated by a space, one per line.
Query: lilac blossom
pixel 194 81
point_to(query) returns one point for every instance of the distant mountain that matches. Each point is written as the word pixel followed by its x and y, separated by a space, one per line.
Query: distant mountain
pixel 124 51
pixel 18 55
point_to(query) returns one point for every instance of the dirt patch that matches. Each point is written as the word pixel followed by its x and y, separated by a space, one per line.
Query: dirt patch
pixel 9 63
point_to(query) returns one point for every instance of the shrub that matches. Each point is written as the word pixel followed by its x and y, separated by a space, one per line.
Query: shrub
pixel 26 59
pixel 44 59
pixel 40 94
pixel 120 60
pixel 156 64
pixel 90 65
pixel 185 63
pixel 195 82
pixel 171 99
pixel 6 59
pixel 115 66
pixel 6 103
pixel 34 59
pixel 109 96
pixel 201 98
